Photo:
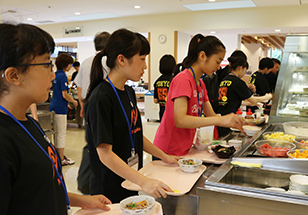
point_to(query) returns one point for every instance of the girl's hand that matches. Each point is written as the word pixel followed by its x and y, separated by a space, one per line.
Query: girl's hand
pixel 171 159
pixel 232 121
pixel 96 201
pixel 156 188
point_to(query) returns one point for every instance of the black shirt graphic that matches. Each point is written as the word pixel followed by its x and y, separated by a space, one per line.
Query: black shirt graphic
pixel 260 81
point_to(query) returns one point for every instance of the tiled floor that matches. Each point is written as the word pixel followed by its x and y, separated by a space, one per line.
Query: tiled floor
pixel 75 141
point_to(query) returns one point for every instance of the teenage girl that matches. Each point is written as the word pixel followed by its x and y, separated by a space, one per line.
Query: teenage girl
pixel 31 178
pixel 113 122
pixel 187 98
pixel 233 90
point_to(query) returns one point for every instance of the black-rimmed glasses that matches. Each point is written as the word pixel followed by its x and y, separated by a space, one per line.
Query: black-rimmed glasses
pixel 47 65
pixel 50 64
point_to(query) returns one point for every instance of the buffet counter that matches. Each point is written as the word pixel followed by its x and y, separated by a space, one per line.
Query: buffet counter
pixel 228 189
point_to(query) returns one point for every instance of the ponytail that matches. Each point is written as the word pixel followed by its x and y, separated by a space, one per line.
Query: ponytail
pixel 209 45
pixel 97 73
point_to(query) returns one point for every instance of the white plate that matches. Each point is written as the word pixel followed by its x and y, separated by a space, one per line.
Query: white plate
pixel 115 210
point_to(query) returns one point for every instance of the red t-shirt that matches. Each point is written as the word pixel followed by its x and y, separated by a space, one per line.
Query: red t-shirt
pixel 170 139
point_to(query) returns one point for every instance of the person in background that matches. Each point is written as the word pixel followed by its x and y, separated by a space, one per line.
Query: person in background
pixel 113 123
pixel 187 99
pixel 59 104
pixel 31 177
pixel 161 86
pixel 82 79
pixel 212 82
pixel 233 90
pixel 76 66
pixel 259 80
pixel 273 74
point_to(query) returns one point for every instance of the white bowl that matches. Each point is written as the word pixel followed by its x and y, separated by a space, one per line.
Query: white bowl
pixel 236 143
pixel 251 130
pixel 189 167
pixel 135 199
pixel 296 128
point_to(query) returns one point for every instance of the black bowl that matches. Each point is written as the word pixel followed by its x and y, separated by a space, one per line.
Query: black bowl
pixel 224 151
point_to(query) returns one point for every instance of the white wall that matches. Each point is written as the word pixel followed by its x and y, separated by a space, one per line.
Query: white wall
pixel 85 50
pixel 247 18
pixel 183 42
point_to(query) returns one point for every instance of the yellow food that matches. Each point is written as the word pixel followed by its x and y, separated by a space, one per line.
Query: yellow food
pixel 298 154
pixel 280 136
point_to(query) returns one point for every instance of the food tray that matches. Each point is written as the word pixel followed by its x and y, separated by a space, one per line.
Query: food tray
pixel 115 210
pixel 170 174
pixel 205 156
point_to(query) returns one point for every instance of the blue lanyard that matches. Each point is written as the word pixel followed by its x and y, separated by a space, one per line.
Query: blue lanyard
pixel 132 139
pixel 233 73
pixel 199 111
pixel 48 141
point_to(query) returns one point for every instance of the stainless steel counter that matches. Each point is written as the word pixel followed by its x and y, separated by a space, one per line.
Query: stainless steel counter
pixel 223 189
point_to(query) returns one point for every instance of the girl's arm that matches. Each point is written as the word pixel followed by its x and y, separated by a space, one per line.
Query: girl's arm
pixel 96 201
pixel 182 120
pixel 68 98
pixel 157 152
pixel 208 110
pixel 117 165
pixel 253 100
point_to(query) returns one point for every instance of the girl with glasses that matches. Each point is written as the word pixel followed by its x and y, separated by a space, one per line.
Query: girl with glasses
pixel 31 177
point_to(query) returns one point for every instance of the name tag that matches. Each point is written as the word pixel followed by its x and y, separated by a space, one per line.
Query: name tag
pixel 131 161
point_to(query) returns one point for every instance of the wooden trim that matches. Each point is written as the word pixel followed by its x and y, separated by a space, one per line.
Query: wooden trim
pixel 149 64
pixel 175 54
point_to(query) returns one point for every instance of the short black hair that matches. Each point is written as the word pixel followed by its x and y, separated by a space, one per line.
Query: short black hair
pixel 167 64
pixel 21 43
pixel 76 63
pixel 276 61
pixel 266 63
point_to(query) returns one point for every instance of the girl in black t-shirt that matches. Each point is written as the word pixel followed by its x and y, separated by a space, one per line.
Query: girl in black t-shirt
pixel 113 122
pixel 233 90
pixel 31 180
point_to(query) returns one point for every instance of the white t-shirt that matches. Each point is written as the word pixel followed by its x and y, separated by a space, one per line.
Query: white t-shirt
pixel 82 79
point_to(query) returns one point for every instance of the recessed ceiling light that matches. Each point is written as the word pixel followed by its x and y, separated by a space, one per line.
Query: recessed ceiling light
pixel 77 13
pixel 29 19
pixel 77 27
pixel 213 32
pixel 277 30
pixel 220 5
pixel 212 0
pixel 137 7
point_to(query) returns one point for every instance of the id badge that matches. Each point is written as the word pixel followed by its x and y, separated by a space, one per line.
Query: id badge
pixel 131 161
pixel 69 211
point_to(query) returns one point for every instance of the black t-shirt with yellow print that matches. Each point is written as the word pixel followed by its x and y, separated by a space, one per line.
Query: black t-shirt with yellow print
pixel 232 90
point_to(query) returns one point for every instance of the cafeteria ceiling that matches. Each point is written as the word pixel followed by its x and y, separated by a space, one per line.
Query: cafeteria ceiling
pixel 41 12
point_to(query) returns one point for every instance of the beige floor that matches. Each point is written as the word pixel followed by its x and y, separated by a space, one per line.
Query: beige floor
pixel 75 141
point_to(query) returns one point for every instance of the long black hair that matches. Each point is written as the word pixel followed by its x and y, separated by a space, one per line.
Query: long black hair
pixel 210 45
pixel 122 42
pixel 21 43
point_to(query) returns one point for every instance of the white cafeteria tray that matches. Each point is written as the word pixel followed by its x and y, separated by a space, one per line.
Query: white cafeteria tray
pixel 205 156
pixel 115 210
pixel 170 174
